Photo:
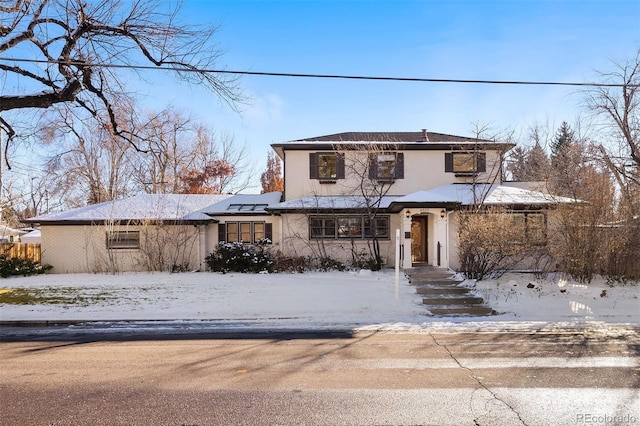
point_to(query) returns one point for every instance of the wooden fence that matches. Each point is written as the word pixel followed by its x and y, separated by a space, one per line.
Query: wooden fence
pixel 21 251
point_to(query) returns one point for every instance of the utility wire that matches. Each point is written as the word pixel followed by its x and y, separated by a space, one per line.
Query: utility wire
pixel 327 76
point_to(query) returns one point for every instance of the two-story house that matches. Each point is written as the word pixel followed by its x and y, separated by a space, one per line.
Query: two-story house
pixel 347 196
pixel 341 190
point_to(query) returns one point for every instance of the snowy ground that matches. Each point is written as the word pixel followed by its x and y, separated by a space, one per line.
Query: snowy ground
pixel 354 300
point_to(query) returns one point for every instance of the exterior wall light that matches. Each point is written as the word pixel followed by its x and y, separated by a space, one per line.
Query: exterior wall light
pixel 407 214
pixel 443 213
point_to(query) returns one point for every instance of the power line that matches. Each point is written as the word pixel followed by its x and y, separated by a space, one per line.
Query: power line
pixel 325 76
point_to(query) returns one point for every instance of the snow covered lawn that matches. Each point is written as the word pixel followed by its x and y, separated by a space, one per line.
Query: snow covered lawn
pixel 362 300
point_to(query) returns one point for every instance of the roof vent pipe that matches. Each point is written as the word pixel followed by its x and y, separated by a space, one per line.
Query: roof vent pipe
pixel 425 136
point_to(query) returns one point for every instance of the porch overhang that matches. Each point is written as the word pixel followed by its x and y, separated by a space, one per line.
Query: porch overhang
pixel 397 207
pixel 453 196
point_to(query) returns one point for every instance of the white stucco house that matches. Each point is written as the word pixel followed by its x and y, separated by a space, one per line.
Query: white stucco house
pixel 151 231
pixel 340 191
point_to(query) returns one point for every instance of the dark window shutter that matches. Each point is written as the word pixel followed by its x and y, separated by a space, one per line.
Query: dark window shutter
pixel 313 165
pixel 400 165
pixel 482 162
pixel 340 166
pixel 448 162
pixel 373 166
pixel 268 231
pixel 222 232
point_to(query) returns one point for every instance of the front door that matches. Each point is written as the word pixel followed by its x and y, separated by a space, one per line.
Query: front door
pixel 419 239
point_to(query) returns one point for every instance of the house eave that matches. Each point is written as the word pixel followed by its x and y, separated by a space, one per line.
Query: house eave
pixel 327 210
pixel 120 222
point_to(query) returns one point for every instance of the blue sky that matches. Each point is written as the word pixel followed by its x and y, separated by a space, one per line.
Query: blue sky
pixel 495 40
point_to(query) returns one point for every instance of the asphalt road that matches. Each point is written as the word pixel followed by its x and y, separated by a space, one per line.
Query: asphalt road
pixel 68 376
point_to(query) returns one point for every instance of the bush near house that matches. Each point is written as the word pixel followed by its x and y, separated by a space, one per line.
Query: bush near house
pixel 291 264
pixel 239 257
pixel 490 243
pixel 17 266
pixel 585 247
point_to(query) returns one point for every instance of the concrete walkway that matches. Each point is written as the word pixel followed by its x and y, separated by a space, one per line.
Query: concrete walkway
pixel 443 294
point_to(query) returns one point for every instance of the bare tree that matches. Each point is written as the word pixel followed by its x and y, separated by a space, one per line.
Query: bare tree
pixel 181 154
pixel 210 147
pixel 85 45
pixel 94 167
pixel 163 138
pixel 620 110
pixel 376 167
pixel 492 172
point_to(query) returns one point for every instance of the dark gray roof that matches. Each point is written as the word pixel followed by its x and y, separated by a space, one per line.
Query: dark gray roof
pixel 390 137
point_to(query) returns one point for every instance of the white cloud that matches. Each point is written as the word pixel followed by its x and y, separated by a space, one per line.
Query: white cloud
pixel 264 110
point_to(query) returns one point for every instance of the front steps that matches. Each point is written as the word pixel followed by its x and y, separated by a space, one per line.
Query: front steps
pixel 443 294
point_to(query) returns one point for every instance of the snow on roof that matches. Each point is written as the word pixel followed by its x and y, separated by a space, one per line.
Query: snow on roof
pixel 331 202
pixel 462 194
pixel 7 230
pixel 244 204
pixel 468 194
pixel 31 237
pixel 140 207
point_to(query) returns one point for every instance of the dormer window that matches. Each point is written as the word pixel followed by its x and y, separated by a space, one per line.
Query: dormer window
pixel 465 163
pixel 386 166
pixel 326 166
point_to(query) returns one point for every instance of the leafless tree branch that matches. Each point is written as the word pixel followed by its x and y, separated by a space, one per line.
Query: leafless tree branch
pixel 76 36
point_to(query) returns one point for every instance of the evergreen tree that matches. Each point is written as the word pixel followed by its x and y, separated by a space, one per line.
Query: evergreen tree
pixel 565 137
pixel 537 164
pixel 517 164
pixel 528 164
pixel 567 159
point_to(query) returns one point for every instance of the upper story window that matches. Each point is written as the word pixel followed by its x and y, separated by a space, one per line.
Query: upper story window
pixel 386 166
pixel 326 166
pixel 465 162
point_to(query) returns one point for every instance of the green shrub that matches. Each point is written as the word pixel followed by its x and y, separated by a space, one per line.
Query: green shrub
pixel 24 267
pixel 239 257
